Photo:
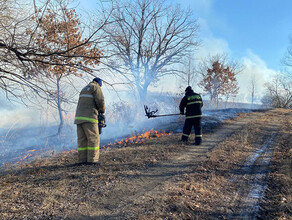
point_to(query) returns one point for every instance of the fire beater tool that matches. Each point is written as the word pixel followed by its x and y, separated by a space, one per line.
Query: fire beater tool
pixel 151 114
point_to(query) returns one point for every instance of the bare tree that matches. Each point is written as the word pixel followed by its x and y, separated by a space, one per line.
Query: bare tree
pixel 147 40
pixel 189 74
pixel 252 89
pixel 62 96
pixel 218 76
pixel 279 92
pixel 287 60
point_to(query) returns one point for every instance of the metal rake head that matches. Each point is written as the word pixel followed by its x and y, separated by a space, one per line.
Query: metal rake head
pixel 149 113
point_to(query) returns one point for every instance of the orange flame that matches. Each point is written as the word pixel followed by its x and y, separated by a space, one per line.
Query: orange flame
pixel 139 138
pixel 26 156
pixel 70 151
pixel 29 154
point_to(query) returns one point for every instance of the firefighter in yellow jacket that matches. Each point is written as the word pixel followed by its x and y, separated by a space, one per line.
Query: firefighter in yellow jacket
pixel 90 105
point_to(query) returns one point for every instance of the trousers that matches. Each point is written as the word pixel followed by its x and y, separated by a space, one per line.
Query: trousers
pixel 189 123
pixel 88 142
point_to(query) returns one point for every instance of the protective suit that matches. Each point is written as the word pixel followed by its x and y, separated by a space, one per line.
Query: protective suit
pixel 193 104
pixel 90 104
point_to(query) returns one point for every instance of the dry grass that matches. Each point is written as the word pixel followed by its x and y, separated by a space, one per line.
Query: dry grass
pixel 53 189
pixel 207 192
pixel 277 203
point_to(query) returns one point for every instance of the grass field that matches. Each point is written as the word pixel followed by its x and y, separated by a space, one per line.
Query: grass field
pixel 164 179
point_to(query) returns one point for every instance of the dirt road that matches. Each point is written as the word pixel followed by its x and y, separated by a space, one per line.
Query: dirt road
pixel 224 178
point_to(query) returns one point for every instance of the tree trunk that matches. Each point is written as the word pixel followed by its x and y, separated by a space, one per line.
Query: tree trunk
pixel 142 94
pixel 142 90
pixel 59 102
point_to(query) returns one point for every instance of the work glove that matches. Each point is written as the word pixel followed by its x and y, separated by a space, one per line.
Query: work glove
pixel 101 122
pixel 101 118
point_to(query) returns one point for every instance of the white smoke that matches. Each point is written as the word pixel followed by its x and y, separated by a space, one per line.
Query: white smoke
pixel 255 68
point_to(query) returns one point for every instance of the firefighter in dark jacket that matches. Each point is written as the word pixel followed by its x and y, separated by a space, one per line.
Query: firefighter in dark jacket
pixel 90 107
pixel 193 104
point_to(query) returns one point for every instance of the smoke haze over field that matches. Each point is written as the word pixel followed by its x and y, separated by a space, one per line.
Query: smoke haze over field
pixel 222 30
pixel 19 117
pixel 219 33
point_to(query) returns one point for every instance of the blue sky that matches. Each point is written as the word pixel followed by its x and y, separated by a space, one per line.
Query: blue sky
pixel 260 26
pixel 255 32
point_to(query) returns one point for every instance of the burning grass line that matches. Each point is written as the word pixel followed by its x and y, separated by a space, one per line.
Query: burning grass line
pixel 137 139
pixel 28 155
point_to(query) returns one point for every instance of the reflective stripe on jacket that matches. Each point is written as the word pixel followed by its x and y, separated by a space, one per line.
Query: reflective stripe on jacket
pixel 90 103
pixel 193 104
